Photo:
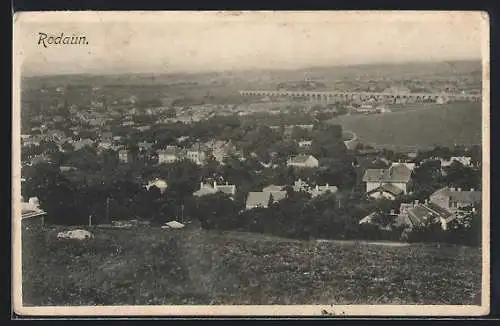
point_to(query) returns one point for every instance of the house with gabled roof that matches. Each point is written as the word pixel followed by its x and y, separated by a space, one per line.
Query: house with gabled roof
pixel 197 154
pixel 416 214
pixel 387 183
pixel 262 199
pixel 210 189
pixel 303 161
pixel 169 155
pixel 455 199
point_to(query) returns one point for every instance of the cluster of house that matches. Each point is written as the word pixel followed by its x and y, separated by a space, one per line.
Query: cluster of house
pixel 198 153
pixel 268 195
pixel 395 180
pixel 444 205
pixel 275 193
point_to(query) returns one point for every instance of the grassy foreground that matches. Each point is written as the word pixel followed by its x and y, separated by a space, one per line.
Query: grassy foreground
pixel 151 266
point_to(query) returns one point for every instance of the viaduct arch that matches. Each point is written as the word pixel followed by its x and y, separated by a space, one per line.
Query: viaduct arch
pixel 364 96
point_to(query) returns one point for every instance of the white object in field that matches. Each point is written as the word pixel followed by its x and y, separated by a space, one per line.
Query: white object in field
pixel 75 234
pixel 172 225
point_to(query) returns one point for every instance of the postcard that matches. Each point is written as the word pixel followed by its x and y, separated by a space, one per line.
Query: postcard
pixel 251 163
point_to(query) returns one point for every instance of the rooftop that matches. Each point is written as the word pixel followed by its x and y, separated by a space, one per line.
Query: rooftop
pixel 397 173
pixel 458 195
pixel 301 158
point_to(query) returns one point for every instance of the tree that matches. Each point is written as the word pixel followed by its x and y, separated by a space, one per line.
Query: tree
pixel 457 175
pixel 216 211
pixel 183 177
pixel 57 196
pixel 427 179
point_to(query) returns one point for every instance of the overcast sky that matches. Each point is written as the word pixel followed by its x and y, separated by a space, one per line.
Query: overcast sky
pixel 174 42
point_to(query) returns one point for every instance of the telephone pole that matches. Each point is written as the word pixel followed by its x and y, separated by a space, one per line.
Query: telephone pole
pixel 107 210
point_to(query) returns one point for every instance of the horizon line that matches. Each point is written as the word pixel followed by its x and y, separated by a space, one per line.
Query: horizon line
pixel 211 71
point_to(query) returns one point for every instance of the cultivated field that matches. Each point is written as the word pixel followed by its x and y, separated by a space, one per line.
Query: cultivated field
pixel 454 123
pixel 152 266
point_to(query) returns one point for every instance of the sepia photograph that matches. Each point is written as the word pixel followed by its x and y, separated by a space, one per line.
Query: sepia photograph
pixel 329 163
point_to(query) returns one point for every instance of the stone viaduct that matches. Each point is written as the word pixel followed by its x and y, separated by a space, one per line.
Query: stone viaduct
pixel 328 97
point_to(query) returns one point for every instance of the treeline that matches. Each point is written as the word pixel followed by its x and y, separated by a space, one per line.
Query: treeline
pixel 328 216
pixel 120 194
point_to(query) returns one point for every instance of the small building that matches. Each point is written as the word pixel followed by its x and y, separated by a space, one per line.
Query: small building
pixel 384 109
pixel 385 191
pixel 158 183
pixel 169 155
pixel 144 146
pixel 31 214
pixel 103 145
pixel 464 160
pixel 196 154
pixel 321 190
pixel 79 144
pixel 303 161
pixel 262 199
pixel 272 188
pixel 305 143
pixel 385 181
pixel 210 189
pixel 416 215
pixel 125 156
pixel 455 199
pixel 301 186
pixel 442 100
pixel 410 165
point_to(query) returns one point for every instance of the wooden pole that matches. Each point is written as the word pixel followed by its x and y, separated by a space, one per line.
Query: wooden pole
pixel 107 210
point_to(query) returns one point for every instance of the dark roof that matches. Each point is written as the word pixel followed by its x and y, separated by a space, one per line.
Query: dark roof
pixel 278 195
pixel 387 187
pixel 423 212
pixel 258 198
pixel 227 189
pixel 462 196
pixel 397 173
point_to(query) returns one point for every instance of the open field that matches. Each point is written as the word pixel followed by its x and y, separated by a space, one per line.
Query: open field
pixel 152 266
pixel 454 123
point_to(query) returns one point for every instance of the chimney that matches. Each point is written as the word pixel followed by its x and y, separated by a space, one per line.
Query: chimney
pixel 317 187
pixel 215 184
pixel 426 201
pixel 327 185
pixel 201 184
pixel 471 189
pixel 415 202
pixel 459 189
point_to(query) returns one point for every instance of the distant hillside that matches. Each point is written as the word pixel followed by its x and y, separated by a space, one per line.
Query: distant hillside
pixel 258 75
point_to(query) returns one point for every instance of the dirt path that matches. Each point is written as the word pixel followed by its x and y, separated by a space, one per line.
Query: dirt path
pixel 376 243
